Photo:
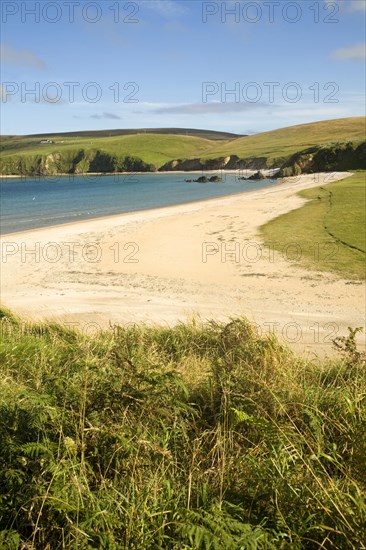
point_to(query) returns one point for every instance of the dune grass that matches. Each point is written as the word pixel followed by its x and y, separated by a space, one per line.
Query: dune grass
pixel 195 437
pixel 327 233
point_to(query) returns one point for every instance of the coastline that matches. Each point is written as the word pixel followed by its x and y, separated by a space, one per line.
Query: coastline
pixel 147 210
pixel 269 171
pixel 149 267
pixel 150 212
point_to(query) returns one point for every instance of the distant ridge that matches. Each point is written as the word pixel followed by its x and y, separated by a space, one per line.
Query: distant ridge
pixel 205 134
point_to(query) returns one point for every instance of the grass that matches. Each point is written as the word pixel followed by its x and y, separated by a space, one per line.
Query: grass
pixel 327 233
pixel 282 143
pixel 195 437
pixel 157 149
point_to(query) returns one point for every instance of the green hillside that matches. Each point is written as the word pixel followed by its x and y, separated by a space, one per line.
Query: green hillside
pixel 150 152
pixel 151 148
pixel 287 141
pixel 194 132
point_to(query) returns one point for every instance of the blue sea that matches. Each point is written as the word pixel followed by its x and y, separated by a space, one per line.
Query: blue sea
pixel 30 203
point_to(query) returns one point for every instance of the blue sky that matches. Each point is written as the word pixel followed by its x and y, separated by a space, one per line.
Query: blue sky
pixel 243 67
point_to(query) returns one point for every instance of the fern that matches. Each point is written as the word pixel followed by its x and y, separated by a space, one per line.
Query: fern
pixel 194 437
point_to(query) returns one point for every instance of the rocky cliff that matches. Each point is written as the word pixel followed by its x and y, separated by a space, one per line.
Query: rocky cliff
pixel 232 162
pixel 343 156
pixel 72 162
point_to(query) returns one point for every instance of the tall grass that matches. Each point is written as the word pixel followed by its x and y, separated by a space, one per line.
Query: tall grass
pixel 194 437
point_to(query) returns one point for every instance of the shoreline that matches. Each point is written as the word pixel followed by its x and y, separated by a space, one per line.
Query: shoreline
pixel 269 171
pixel 172 264
pixel 200 203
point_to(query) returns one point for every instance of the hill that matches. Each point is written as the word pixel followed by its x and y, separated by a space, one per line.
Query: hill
pixel 167 149
pixel 104 154
pixel 205 134
pixel 281 144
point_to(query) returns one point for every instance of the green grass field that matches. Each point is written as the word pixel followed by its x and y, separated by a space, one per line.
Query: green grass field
pixel 324 232
pixel 287 141
pixel 158 149
pixel 193 438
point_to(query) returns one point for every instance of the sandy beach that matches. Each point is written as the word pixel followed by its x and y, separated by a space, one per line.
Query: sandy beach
pixel 204 260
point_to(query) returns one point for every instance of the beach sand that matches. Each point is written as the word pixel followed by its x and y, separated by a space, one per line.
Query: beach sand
pixel 172 264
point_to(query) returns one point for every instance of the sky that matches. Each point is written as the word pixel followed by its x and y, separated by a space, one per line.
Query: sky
pixel 242 67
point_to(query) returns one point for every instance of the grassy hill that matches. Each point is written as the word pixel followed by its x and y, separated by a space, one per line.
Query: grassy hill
pixel 89 151
pixel 194 132
pixel 154 148
pixel 282 143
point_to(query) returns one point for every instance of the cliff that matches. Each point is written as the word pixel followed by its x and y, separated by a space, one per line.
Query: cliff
pixel 76 161
pixel 342 156
pixel 339 156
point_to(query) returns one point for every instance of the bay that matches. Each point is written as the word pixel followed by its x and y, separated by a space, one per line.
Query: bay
pixel 30 203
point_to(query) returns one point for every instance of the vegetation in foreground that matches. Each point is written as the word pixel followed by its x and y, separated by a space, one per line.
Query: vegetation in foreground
pixel 185 438
pixel 327 233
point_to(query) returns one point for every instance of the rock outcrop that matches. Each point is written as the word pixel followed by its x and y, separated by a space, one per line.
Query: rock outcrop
pixel 255 177
pixel 205 179
pixel 343 156
pixel 188 165
pixel 232 162
pixel 73 162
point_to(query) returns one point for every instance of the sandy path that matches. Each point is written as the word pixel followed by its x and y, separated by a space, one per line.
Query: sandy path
pixel 170 264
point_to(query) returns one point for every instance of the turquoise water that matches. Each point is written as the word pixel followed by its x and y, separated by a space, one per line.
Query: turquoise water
pixel 30 203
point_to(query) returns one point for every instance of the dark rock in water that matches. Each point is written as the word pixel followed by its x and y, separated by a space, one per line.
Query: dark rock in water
pixel 188 181
pixel 204 179
pixel 258 176
pixel 276 174
pixel 255 177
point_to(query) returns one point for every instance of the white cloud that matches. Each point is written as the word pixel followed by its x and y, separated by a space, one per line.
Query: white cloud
pixel 3 94
pixel 109 116
pixel 24 58
pixel 332 2
pixel 356 5
pixel 170 9
pixel 357 51
pixel 213 107
pixel 348 5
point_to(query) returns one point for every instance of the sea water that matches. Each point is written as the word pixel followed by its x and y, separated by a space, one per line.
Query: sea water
pixel 30 203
